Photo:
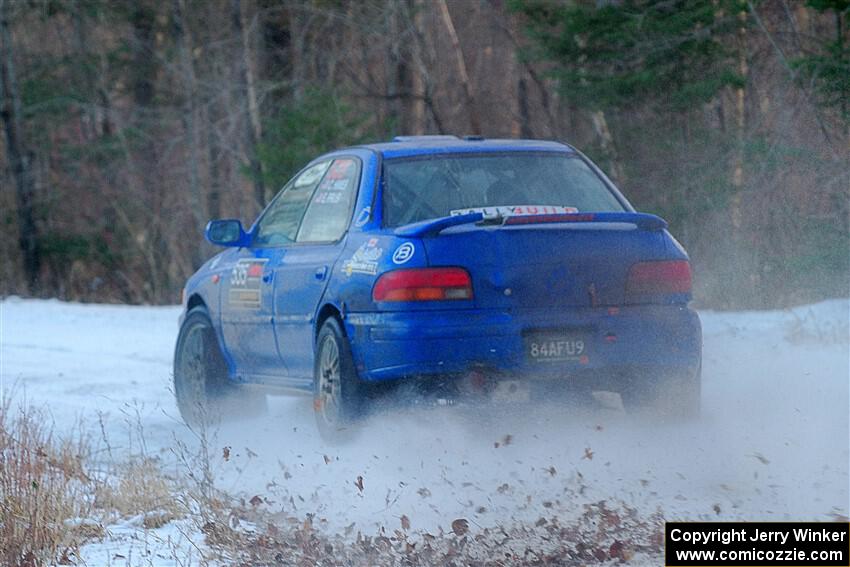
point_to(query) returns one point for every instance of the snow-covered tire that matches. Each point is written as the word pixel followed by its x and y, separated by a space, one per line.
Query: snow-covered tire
pixel 672 394
pixel 337 391
pixel 204 393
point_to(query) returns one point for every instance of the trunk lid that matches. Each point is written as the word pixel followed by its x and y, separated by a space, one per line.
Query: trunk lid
pixel 547 264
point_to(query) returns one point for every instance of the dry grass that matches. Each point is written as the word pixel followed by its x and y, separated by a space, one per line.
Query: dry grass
pixel 43 488
pixel 808 327
pixel 139 488
pixel 51 503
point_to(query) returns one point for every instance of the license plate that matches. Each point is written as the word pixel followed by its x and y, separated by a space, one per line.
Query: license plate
pixel 557 347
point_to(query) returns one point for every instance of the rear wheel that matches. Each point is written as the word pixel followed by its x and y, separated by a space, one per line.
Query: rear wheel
pixel 201 386
pixel 666 393
pixel 337 392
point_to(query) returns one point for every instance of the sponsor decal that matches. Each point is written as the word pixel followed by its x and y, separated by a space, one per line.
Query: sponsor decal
pixel 516 210
pixel 363 217
pixel 364 260
pixel 255 270
pixel 341 169
pixel 335 185
pixel 404 253
pixel 245 278
pixel 312 175
pixel 328 198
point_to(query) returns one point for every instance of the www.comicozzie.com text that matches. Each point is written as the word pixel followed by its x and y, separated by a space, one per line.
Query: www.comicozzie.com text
pixel 743 534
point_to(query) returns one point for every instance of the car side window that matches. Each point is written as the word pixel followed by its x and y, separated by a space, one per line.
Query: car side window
pixel 280 223
pixel 329 211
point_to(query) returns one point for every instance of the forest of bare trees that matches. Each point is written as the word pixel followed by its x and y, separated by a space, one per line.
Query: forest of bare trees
pixel 128 124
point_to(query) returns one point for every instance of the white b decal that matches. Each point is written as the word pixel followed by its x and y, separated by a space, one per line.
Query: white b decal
pixel 403 253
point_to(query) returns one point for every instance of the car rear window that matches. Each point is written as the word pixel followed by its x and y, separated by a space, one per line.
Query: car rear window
pixel 417 189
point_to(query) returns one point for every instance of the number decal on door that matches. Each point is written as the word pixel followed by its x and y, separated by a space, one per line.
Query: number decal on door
pixel 245 281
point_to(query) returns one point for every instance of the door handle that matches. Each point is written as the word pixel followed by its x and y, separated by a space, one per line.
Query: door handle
pixel 321 273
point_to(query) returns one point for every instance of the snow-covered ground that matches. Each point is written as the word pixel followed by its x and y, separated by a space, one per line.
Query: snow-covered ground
pixel 772 443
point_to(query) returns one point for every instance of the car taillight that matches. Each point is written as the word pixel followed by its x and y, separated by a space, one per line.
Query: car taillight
pixel 651 278
pixel 423 284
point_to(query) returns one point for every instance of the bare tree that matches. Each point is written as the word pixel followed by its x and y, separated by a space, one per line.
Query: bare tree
pixel 460 63
pixel 252 131
pixel 189 111
pixel 21 157
pixel 740 119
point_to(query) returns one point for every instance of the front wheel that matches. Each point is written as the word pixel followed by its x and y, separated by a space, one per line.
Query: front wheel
pixel 337 396
pixel 201 386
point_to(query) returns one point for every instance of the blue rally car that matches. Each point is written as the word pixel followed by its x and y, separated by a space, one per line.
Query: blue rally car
pixel 512 268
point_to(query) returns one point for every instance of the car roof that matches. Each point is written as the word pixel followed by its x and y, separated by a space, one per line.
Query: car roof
pixel 410 146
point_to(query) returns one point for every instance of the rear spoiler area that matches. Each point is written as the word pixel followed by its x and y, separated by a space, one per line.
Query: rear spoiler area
pixel 433 227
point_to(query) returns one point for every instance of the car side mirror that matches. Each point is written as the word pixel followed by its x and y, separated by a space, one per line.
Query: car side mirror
pixel 226 232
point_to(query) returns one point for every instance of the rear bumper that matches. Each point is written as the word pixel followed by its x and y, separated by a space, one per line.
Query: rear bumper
pixel 390 346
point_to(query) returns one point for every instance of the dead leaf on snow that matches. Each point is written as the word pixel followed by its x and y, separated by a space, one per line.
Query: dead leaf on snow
pixel 359 483
pixel 588 454
pixel 611 518
pixel 460 527
pixel 226 453
pixel 762 459
pixel 405 522
pixel 616 550
pixel 255 501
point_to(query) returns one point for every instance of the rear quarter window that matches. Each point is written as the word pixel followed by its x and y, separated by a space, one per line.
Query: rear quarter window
pixel 329 211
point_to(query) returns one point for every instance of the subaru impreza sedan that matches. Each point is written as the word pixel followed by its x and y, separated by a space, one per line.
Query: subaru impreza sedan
pixel 493 268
